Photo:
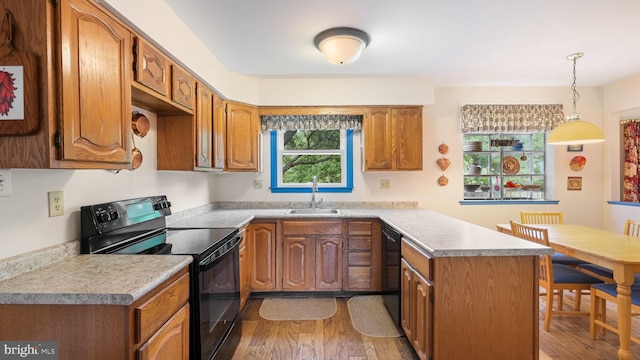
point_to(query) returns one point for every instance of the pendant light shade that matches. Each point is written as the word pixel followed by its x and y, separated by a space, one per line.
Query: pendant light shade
pixel 341 45
pixel 575 131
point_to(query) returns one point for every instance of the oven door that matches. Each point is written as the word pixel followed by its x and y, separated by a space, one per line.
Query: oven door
pixel 218 293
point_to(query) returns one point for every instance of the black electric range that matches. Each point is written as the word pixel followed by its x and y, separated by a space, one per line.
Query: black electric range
pixel 138 226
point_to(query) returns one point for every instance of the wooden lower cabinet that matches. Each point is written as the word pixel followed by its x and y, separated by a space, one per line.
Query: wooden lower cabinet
pixel 298 254
pixel 362 263
pixel 480 307
pixel 416 309
pixel 312 255
pixel 156 326
pixel 261 242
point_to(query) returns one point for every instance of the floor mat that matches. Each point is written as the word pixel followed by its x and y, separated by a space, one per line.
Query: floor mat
pixel 297 308
pixel 370 317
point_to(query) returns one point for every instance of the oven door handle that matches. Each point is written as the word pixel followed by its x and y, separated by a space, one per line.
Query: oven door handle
pixel 205 264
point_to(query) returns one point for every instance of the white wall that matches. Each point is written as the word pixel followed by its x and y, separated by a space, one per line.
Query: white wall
pixel 621 100
pixel 441 124
pixel 24 221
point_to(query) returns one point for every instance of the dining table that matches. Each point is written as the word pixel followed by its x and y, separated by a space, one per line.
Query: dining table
pixel 613 250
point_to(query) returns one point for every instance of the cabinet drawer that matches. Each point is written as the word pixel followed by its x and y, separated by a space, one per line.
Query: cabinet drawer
pixel 359 258
pixel 157 310
pixel 359 243
pixel 292 227
pixel 419 260
pixel 360 228
pixel 359 278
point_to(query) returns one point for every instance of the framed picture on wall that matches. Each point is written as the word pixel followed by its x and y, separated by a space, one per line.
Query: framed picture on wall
pixel 577 147
pixel 574 183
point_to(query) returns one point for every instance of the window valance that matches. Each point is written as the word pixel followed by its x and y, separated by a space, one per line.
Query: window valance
pixel 311 122
pixel 510 118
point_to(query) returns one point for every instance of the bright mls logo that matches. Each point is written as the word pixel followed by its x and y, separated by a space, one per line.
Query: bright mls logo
pixel 32 350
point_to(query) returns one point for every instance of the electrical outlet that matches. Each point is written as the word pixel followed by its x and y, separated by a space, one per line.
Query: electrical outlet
pixel 5 182
pixel 56 203
pixel 257 184
pixel 385 184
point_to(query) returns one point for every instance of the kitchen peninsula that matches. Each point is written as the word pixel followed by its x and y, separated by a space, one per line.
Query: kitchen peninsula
pixel 471 272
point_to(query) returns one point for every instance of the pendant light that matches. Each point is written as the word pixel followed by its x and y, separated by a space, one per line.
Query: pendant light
pixel 341 45
pixel 575 131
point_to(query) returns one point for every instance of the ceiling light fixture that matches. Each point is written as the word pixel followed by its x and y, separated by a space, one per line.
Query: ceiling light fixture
pixel 341 45
pixel 575 131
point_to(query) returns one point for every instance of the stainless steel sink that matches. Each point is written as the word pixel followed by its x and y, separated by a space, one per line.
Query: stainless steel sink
pixel 314 211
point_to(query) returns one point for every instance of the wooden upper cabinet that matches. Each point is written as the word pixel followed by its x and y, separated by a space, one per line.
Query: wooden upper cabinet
pixel 95 85
pixel 204 124
pixel 151 67
pixel 242 137
pixel 219 132
pixel 408 138
pixel 392 138
pixel 378 141
pixel 183 87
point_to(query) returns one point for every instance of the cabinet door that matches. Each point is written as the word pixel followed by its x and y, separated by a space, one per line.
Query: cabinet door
pixel 328 259
pixel 405 300
pixel 262 256
pixel 408 138
pixel 297 263
pixel 219 132
pixel 245 279
pixel 152 67
pixel 95 85
pixel 204 123
pixel 378 141
pixel 421 307
pixel 171 341
pixel 243 126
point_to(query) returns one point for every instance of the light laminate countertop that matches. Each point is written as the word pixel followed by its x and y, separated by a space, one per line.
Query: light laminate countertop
pixel 92 279
pixel 436 234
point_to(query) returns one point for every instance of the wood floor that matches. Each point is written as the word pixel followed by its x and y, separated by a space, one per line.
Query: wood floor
pixel 568 337
pixel 335 338
pixel 332 338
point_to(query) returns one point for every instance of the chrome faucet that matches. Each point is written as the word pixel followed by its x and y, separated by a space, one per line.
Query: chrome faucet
pixel 314 190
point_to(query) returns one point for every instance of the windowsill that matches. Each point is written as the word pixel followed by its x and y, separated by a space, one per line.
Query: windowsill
pixel 623 203
pixel 509 202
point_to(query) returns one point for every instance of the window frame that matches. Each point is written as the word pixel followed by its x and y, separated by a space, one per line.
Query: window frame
pixel 501 152
pixel 276 152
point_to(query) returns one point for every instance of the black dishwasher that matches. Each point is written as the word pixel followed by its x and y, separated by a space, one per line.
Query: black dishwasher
pixel 391 240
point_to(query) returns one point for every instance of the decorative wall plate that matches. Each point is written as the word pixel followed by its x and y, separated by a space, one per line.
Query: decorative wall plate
pixel 443 181
pixel 443 163
pixel 578 163
pixel 510 165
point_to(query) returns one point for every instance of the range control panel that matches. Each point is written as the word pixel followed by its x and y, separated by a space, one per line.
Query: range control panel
pixel 103 218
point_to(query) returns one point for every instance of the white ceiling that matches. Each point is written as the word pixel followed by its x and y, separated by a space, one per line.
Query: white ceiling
pixel 453 42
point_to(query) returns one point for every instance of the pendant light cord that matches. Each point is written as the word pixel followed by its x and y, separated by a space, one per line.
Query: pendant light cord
pixel 576 96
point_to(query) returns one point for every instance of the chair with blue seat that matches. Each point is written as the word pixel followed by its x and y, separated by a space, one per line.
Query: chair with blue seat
pixel 555 278
pixel 600 294
pixel 631 228
pixel 530 218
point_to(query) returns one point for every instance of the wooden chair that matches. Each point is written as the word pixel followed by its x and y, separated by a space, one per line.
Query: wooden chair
pixel 550 218
pixel 541 217
pixel 632 228
pixel 555 278
pixel 600 293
